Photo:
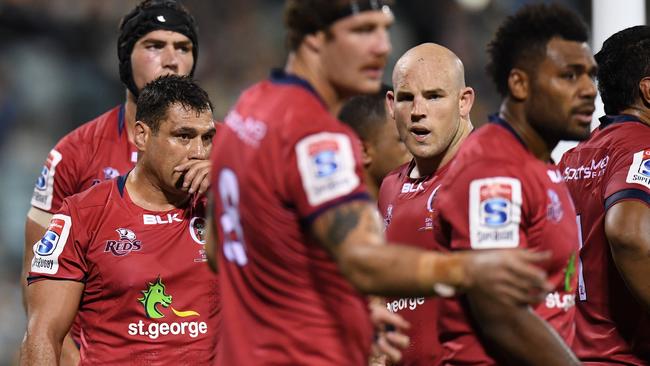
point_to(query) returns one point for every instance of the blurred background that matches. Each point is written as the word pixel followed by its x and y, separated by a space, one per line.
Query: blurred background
pixel 58 69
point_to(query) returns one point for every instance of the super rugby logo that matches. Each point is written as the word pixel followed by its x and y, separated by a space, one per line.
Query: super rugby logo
pixel 639 171
pixel 44 188
pixel 49 248
pixel 125 245
pixel 154 299
pixel 495 212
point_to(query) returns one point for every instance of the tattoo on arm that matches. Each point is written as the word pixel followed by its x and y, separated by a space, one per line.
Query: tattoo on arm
pixel 341 222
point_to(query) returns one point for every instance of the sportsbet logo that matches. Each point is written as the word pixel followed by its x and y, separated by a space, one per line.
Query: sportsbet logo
pixel 153 299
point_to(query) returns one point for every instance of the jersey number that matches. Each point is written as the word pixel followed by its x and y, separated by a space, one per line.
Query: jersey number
pixel 234 248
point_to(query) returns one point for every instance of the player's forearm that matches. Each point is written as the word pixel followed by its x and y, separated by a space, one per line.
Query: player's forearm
pixel 69 352
pixel 398 270
pixel 39 350
pixel 516 330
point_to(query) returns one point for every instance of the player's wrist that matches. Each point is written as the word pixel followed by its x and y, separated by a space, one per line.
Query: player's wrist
pixel 443 273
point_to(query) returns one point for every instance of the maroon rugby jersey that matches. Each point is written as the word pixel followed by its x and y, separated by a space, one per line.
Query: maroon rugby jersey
pixel 613 165
pixel 407 207
pixel 280 162
pixel 497 194
pixel 149 296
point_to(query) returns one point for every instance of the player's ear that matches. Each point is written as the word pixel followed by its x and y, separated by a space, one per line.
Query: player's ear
pixel 466 101
pixel 366 154
pixel 644 90
pixel 314 41
pixel 518 84
pixel 390 103
pixel 141 134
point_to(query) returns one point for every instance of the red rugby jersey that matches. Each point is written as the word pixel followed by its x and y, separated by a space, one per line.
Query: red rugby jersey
pixel 613 165
pixel 149 298
pixel 96 151
pixel 497 194
pixel 407 207
pixel 280 162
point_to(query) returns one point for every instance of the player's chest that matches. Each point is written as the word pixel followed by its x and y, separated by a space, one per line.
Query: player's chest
pixel 409 213
pixel 145 245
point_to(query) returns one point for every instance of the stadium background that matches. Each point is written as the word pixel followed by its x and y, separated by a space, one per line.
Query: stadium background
pixel 58 69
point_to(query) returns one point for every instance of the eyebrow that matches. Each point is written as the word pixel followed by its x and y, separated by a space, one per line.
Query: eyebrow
pixel 160 41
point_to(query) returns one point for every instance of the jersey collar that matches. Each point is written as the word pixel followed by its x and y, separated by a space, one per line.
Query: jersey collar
pixel 494 118
pixel 120 120
pixel 279 76
pixel 619 118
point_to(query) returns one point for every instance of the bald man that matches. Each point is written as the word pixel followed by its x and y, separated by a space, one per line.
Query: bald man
pixel 430 105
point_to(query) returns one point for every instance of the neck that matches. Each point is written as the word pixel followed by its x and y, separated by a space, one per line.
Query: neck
pixel 426 167
pixel 513 113
pixel 130 108
pixel 640 112
pixel 146 191
pixel 299 65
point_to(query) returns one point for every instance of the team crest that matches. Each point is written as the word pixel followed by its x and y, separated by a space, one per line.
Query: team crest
pixel 639 171
pixel 388 217
pixel 198 229
pixel 428 219
pixel 554 210
pixel 126 243
pixel 110 173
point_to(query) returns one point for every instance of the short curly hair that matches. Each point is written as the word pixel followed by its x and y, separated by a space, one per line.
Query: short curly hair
pixel 521 40
pixel 622 62
pixel 157 96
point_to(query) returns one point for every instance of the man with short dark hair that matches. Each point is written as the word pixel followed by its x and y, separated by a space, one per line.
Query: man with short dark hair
pixel 157 37
pixel 382 148
pixel 609 179
pixel 127 254
pixel 299 240
pixel 504 192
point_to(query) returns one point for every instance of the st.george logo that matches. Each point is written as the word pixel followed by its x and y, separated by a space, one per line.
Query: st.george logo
pixel 155 295
pixel 126 244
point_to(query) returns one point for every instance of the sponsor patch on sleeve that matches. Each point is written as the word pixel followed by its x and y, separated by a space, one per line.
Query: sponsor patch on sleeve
pixel 494 212
pixel 44 189
pixel 49 248
pixel 639 171
pixel 327 167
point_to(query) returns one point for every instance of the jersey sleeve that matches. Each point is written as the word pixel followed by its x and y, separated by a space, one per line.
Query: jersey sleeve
pixel 324 169
pixel 482 208
pixel 59 177
pixel 629 177
pixel 59 254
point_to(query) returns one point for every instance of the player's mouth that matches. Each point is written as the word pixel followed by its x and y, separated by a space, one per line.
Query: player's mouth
pixel 584 115
pixel 419 133
pixel 374 70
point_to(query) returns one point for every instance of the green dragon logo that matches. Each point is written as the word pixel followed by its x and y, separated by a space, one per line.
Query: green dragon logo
pixel 154 295
pixel 569 272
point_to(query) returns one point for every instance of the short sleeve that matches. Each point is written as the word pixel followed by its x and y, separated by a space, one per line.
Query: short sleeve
pixel 628 177
pixel 324 169
pixel 58 178
pixel 58 254
pixel 482 208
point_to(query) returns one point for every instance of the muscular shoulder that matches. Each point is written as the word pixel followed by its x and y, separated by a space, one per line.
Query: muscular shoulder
pixel 95 197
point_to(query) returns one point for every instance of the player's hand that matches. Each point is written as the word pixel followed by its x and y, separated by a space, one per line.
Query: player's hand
pixel 389 340
pixel 195 176
pixel 510 275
